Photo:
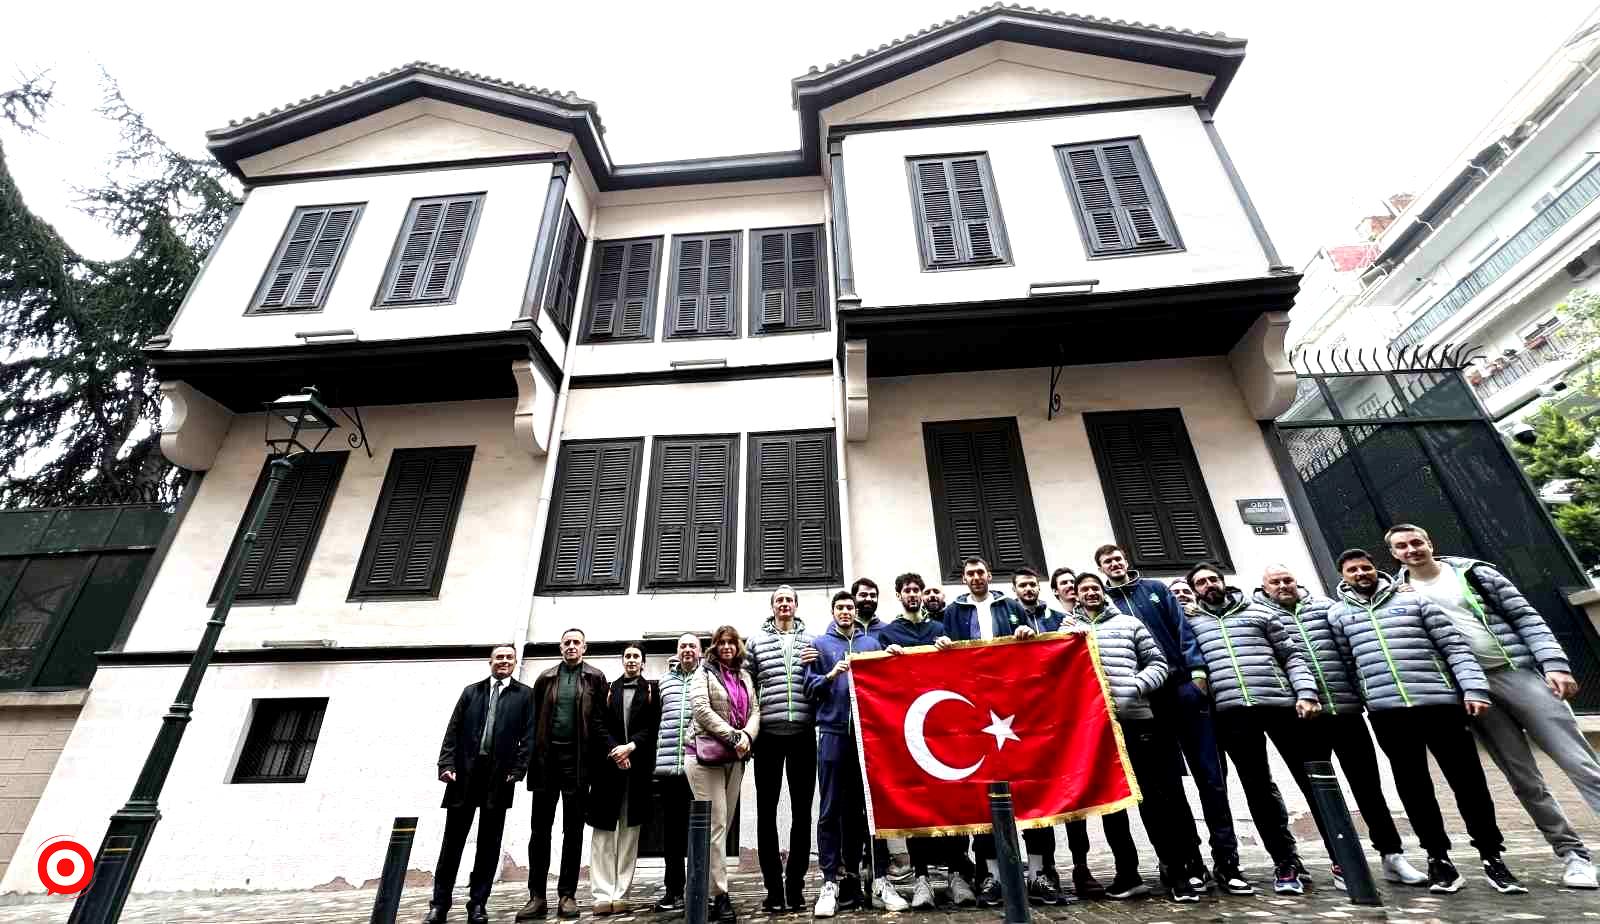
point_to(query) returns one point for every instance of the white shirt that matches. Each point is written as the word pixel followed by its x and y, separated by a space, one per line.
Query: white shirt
pixel 985 624
pixel 1445 590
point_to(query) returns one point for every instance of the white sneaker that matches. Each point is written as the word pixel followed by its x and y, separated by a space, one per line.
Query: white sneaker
pixel 1396 868
pixel 1579 874
pixel 922 894
pixel 827 901
pixel 885 897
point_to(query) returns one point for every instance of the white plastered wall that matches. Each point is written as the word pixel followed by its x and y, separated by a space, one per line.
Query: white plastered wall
pixel 487 554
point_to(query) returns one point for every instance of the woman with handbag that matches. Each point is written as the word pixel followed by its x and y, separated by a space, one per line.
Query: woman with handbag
pixel 726 719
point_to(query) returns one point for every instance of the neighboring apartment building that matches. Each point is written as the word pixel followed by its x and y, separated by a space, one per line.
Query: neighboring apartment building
pixel 1486 253
pixel 1008 297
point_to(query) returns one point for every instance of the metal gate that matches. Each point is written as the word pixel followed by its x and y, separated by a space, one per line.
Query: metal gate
pixel 1369 447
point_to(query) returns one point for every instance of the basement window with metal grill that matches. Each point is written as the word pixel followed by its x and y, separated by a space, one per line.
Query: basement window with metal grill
pixel 958 212
pixel 280 742
pixel 1160 510
pixel 982 504
pixel 430 255
pixel 408 543
pixel 1118 203
pixel 307 259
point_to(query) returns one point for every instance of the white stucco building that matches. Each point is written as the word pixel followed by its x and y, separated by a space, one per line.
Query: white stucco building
pixel 1008 296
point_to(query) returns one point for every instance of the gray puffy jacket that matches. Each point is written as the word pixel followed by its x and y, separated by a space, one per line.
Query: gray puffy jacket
pixel 675 739
pixel 1129 656
pixel 1524 638
pixel 774 661
pixel 1404 650
pixel 1249 657
pixel 1308 628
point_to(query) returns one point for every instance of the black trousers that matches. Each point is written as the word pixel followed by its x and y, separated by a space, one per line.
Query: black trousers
pixel 1345 734
pixel 944 850
pixel 776 757
pixel 1407 735
pixel 1187 714
pixel 1243 735
pixel 675 798
pixel 560 785
pixel 486 855
pixel 1118 837
pixel 1165 810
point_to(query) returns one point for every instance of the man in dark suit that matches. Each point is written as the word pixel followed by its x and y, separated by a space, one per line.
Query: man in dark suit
pixel 482 757
pixel 566 736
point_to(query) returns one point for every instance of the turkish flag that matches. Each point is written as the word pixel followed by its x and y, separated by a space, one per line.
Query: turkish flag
pixel 938 726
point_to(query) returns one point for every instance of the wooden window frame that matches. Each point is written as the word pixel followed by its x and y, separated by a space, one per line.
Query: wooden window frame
pixel 544 586
pixel 753 579
pixel 256 307
pixel 1160 209
pixel 757 325
pixel 382 299
pixel 669 326
pixel 315 535
pixel 258 729
pixel 647 331
pixel 950 557
pixel 991 190
pixel 1093 422
pixel 728 554
pixel 380 511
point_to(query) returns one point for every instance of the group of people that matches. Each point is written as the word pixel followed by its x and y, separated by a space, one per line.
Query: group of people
pixel 1442 655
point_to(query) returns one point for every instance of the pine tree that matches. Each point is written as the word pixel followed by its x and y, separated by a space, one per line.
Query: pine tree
pixel 1562 452
pixel 79 406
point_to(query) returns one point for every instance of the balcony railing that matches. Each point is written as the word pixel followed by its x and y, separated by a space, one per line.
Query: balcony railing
pixel 1541 228
pixel 1557 347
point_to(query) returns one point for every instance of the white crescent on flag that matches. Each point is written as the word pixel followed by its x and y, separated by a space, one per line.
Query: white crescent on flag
pixel 917 742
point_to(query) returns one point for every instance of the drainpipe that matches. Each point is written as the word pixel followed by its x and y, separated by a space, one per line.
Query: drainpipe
pixel 846 550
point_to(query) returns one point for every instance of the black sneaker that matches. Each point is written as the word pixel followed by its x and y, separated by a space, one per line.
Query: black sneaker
pixel 1442 875
pixel 850 895
pixel 1233 882
pixel 722 910
pixel 796 898
pixel 1127 885
pixel 1084 885
pixel 1182 892
pixel 774 904
pixel 668 904
pixel 1286 880
pixel 1200 878
pixel 989 893
pixel 1506 884
pixel 1045 889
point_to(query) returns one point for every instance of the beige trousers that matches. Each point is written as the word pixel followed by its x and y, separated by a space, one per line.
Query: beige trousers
pixel 719 786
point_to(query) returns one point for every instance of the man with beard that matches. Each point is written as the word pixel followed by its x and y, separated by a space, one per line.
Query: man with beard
pixel 1260 685
pixel 788 739
pixel 865 591
pixel 933 601
pixel 674 754
pixel 914 628
pixel 1529 678
pixel 1410 660
pixel 1183 704
pixel 1341 728
pixel 982 612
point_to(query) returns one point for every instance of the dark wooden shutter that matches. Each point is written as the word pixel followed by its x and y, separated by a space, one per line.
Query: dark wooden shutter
pixel 792 534
pixel 957 211
pixel 1119 204
pixel 704 300
pixel 589 541
pixel 561 295
pixel 1156 495
pixel 689 528
pixel 982 503
pixel 787 289
pixel 302 271
pixel 277 563
pixel 409 540
pixel 432 250
pixel 623 290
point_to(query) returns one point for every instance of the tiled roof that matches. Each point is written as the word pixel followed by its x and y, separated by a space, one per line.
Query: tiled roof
pixel 1137 28
pixel 1349 257
pixel 561 97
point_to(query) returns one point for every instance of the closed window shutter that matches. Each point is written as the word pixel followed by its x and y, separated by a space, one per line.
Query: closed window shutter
pixel 622 306
pixel 788 286
pixel 793 533
pixel 589 541
pixel 302 272
pixel 277 563
pixel 690 526
pixel 1154 488
pixel 957 212
pixel 432 250
pixel 703 285
pixel 1120 208
pixel 982 503
pixel 562 293
pixel 409 540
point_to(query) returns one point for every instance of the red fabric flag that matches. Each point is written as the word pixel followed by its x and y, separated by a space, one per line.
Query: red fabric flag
pixel 937 727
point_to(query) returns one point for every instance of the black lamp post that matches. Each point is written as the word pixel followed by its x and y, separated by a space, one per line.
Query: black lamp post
pixel 128 837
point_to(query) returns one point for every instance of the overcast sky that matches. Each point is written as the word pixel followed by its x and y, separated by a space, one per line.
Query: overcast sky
pixel 1336 104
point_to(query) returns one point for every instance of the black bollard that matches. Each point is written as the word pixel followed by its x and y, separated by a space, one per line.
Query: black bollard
pixel 1008 854
pixel 387 904
pixel 697 890
pixel 1328 802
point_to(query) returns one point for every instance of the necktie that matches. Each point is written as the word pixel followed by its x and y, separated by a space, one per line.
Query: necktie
pixel 487 739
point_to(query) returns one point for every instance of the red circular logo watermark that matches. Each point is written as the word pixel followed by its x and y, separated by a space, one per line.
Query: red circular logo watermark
pixel 65 866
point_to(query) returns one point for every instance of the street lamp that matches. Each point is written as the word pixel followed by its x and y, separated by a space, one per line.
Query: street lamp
pixel 128 837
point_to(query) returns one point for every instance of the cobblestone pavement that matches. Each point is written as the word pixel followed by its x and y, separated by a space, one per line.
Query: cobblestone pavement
pixel 1526 853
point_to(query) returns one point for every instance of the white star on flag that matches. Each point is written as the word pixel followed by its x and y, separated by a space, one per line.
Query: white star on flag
pixel 1001 729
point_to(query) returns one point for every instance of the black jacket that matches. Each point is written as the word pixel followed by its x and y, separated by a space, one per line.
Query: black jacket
pixel 591 723
pixel 509 756
pixel 609 782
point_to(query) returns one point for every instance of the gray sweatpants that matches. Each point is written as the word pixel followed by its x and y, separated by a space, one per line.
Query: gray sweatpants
pixel 1524 709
